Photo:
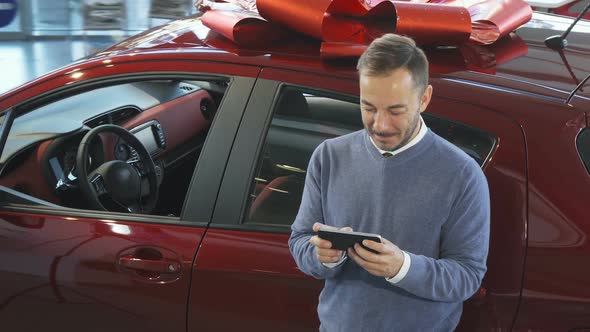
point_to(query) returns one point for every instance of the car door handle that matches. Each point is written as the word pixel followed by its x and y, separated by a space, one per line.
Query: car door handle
pixel 152 265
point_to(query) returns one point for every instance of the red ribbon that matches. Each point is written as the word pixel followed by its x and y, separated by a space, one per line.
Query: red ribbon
pixel 243 27
pixel 294 50
pixel 347 23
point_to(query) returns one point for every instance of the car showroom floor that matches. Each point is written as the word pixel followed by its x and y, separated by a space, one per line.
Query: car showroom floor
pixel 21 61
pixel 46 35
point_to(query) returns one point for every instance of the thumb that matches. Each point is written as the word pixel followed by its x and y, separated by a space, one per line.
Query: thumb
pixel 317 226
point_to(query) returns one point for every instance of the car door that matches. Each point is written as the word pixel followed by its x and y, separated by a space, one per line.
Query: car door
pixel 77 269
pixel 244 274
pixel 556 288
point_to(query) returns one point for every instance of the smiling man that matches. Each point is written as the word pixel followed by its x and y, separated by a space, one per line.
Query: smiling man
pixel 427 199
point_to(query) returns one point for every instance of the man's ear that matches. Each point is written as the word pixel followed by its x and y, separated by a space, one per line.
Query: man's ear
pixel 425 99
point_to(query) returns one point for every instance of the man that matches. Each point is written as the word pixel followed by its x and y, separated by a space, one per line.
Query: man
pixel 427 199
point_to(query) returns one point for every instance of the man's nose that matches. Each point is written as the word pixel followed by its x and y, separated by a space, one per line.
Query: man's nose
pixel 382 122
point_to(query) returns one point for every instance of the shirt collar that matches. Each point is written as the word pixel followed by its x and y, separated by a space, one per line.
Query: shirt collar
pixel 414 141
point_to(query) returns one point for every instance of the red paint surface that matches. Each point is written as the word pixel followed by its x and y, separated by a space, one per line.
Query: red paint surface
pixel 69 275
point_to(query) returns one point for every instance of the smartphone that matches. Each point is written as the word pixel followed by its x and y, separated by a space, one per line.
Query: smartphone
pixel 343 240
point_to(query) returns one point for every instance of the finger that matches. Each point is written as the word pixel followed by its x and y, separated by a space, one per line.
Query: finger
pixel 373 268
pixel 329 259
pixel 366 254
pixel 323 226
pixel 353 254
pixel 320 243
pixel 329 252
pixel 317 226
pixel 385 241
pixel 382 248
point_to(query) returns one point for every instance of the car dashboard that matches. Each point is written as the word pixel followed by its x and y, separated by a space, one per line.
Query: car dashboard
pixel 169 118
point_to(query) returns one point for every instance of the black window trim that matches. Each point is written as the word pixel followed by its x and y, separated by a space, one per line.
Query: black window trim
pixel 584 138
pixel 253 227
pixel 9 116
pixel 492 137
pixel 58 212
pixel 226 215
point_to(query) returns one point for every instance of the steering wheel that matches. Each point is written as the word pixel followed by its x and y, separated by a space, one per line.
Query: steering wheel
pixel 119 180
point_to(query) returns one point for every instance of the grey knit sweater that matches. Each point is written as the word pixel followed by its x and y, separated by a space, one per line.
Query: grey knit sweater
pixel 431 200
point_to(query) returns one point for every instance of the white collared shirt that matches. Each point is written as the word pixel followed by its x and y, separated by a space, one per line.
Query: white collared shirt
pixel 407 260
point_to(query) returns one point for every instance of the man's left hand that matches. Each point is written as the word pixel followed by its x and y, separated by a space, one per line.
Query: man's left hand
pixel 386 261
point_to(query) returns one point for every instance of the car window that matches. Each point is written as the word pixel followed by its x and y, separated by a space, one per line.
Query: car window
pixel 583 143
pixel 302 120
pixel 578 6
pixel 170 118
pixel 477 143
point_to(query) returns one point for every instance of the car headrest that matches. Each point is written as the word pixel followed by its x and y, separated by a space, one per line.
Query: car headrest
pixel 278 202
pixel 292 103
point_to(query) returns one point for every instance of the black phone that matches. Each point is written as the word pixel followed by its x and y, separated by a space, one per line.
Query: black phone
pixel 343 240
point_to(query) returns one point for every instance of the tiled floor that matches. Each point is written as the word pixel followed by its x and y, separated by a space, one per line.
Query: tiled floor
pixel 21 61
pixel 58 34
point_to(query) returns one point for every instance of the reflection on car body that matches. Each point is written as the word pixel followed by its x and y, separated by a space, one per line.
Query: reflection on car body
pixel 227 134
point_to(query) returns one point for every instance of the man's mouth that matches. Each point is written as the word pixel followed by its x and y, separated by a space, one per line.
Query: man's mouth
pixel 384 135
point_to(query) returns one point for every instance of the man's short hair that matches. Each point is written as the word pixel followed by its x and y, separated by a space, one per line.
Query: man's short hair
pixel 390 52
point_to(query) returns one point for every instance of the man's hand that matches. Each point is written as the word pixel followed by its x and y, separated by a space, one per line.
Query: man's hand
pixel 323 251
pixel 386 261
pixel 202 5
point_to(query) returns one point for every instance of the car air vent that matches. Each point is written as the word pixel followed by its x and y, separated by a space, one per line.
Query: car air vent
pixel 95 122
pixel 123 114
pixel 114 117
pixel 187 88
pixel 208 108
pixel 134 154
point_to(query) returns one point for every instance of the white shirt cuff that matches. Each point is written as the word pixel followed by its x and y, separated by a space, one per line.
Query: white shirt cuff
pixel 340 261
pixel 402 271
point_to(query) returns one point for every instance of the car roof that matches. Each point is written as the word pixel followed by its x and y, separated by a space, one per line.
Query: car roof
pixel 519 62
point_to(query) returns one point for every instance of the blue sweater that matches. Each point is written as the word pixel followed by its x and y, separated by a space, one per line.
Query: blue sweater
pixel 431 200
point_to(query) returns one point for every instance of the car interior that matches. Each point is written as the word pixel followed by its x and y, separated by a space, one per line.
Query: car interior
pixel 304 119
pixel 170 118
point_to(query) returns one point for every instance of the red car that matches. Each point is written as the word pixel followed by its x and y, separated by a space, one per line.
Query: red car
pixel 151 187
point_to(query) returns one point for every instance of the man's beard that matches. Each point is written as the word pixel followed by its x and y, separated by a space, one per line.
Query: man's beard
pixel 409 135
pixel 404 140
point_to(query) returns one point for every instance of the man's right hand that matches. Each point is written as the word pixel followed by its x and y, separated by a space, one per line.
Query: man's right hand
pixel 323 247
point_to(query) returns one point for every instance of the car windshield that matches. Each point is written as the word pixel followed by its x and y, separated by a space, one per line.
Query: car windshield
pixel 68 115
pixel 73 113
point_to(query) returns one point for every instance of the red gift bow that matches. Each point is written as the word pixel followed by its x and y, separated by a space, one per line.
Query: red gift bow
pixel 344 25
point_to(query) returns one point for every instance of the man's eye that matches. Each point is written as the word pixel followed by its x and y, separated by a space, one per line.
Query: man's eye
pixel 368 109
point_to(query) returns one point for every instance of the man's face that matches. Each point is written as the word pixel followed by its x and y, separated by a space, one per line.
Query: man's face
pixel 391 107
